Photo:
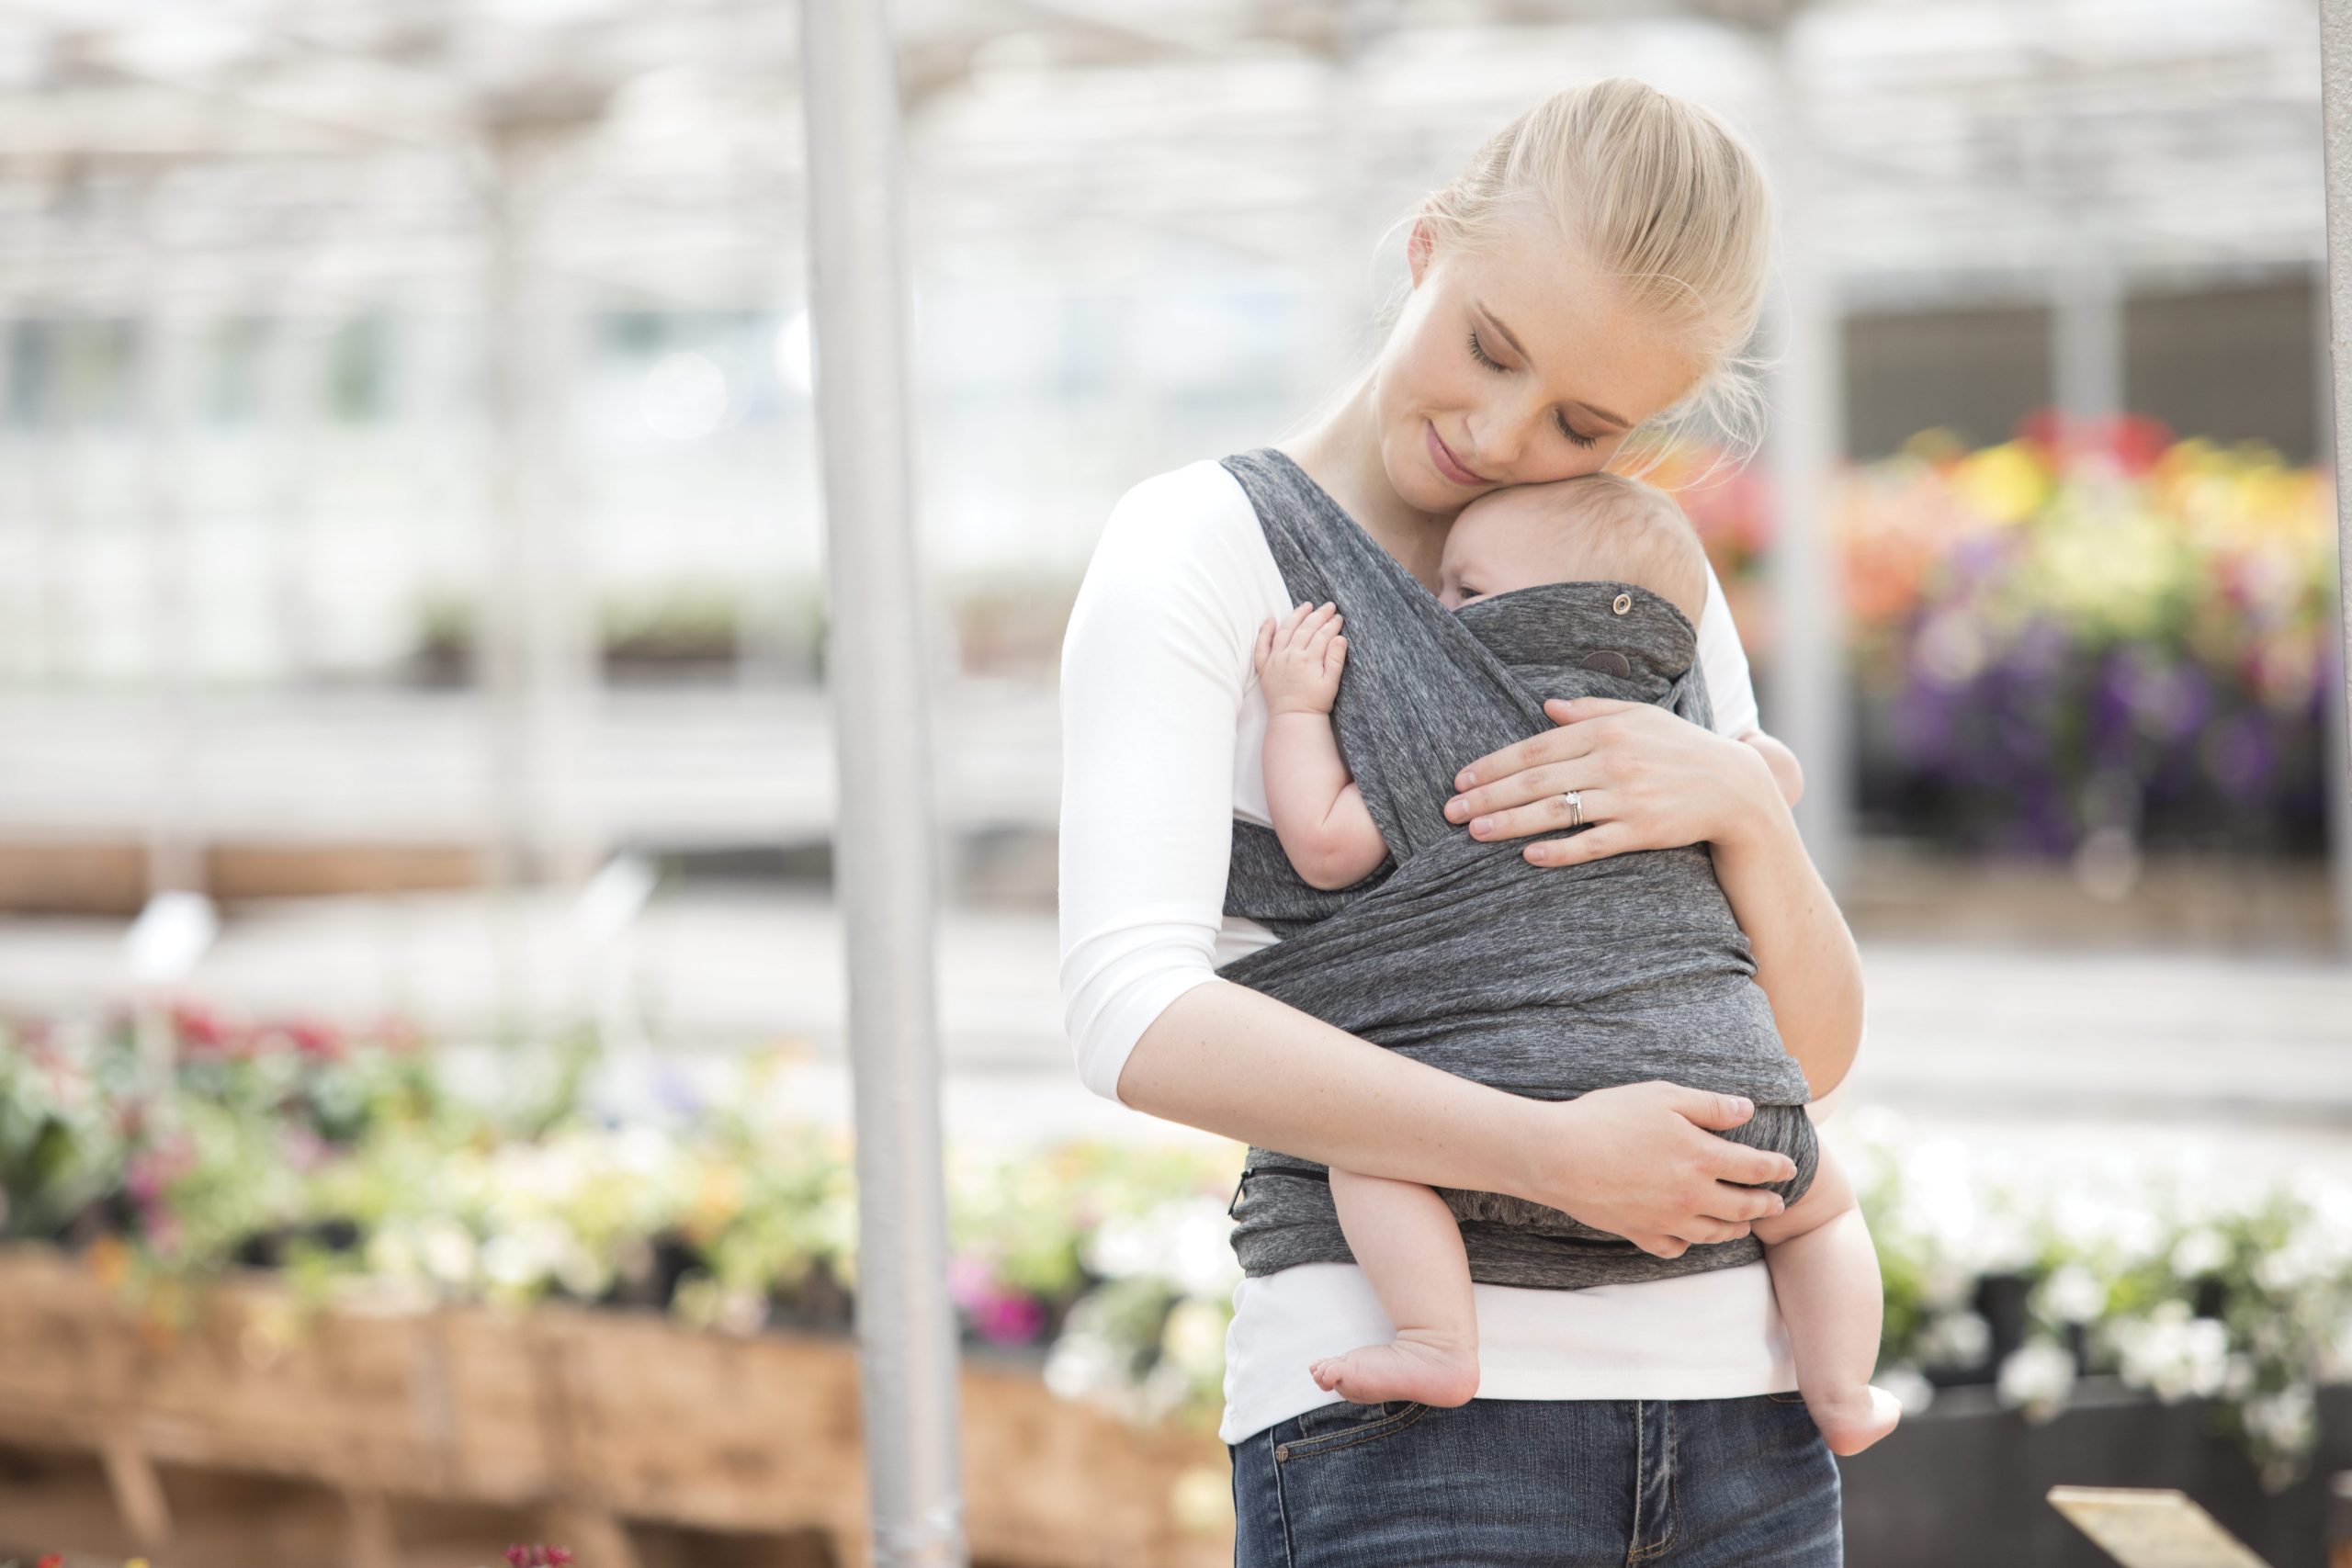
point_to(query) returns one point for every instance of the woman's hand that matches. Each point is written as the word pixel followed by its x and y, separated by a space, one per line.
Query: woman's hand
pixel 1646 779
pixel 1641 1161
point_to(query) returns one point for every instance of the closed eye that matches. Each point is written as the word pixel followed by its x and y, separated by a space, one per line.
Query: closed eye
pixel 1478 352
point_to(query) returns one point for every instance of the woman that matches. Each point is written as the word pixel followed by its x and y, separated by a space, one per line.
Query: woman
pixel 1593 271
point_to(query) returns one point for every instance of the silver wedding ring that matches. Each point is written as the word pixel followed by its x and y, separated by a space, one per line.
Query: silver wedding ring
pixel 1576 807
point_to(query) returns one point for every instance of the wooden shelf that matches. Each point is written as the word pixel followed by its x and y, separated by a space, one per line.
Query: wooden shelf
pixel 612 1432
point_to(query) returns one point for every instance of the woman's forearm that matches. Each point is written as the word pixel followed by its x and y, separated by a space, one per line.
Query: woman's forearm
pixel 1805 958
pixel 1231 1060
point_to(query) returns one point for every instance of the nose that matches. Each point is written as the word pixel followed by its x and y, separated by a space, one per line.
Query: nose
pixel 1502 436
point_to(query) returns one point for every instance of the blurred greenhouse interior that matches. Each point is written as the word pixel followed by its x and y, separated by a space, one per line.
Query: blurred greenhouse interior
pixel 412 627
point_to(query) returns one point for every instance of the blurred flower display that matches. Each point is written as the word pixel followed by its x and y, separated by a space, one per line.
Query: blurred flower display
pixel 361 1167
pixel 2180 1278
pixel 2083 639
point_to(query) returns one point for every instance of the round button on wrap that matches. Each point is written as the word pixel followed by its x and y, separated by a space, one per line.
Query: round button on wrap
pixel 1623 603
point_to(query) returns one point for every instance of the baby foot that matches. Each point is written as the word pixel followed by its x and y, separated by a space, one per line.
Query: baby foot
pixel 1431 1368
pixel 1853 1422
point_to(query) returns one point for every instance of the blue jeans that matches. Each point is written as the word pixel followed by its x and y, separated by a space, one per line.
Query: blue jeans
pixel 1561 1483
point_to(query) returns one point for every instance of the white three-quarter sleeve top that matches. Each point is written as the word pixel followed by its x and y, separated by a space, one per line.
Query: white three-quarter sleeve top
pixel 1162 733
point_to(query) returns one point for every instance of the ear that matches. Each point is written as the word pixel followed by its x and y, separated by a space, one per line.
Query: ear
pixel 1417 246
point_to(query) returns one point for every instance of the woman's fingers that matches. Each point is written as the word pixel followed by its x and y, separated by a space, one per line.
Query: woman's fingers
pixel 1734 1204
pixel 1550 811
pixel 1730 1162
pixel 1569 740
pixel 1595 843
pixel 1534 768
pixel 1705 1230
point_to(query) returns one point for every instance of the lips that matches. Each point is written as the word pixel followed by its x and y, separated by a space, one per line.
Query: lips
pixel 1447 464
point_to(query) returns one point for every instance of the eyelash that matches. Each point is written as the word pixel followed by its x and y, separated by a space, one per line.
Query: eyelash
pixel 1478 352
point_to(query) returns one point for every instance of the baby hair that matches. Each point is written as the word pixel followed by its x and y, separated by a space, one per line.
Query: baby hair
pixel 1636 528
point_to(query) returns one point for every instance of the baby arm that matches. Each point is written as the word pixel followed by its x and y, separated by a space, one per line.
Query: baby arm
pixel 1317 812
pixel 1786 771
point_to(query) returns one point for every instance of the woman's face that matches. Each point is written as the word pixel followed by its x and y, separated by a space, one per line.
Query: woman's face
pixel 1524 364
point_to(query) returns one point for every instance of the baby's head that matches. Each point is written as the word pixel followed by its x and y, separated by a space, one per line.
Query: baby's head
pixel 1596 526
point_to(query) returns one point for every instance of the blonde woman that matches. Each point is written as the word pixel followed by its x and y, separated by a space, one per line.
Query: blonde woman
pixel 1593 273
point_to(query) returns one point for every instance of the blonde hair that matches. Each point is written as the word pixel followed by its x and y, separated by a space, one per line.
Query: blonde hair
pixel 1655 190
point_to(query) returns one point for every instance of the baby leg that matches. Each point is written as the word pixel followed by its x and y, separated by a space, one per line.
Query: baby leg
pixel 1405 1238
pixel 1825 1273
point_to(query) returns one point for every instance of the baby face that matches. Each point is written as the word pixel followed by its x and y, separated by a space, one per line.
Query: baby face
pixel 1572 532
pixel 1496 545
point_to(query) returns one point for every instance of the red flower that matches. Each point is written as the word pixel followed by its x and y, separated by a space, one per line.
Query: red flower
pixel 199 1025
pixel 538 1556
pixel 50 1560
pixel 312 1039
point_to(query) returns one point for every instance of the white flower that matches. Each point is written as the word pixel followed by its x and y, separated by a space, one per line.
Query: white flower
pixel 1910 1387
pixel 2291 1267
pixel 2200 1252
pixel 2173 1355
pixel 2037 1376
pixel 2074 1294
pixel 2287 1419
pixel 1956 1339
pixel 1194 1338
pixel 447 1252
pixel 1084 1365
pixel 1184 1241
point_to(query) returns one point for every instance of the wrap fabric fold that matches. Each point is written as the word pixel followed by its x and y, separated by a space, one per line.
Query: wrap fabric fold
pixel 1545 981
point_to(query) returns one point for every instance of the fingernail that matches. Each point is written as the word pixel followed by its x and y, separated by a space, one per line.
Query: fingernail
pixel 1482 824
pixel 1465 779
pixel 1455 808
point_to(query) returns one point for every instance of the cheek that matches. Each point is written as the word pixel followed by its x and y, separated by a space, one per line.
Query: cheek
pixel 1419 379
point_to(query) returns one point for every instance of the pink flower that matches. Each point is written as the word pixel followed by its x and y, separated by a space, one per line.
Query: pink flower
pixel 313 1039
pixel 998 1313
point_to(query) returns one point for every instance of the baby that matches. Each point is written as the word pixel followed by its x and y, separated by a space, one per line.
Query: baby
pixel 1824 1271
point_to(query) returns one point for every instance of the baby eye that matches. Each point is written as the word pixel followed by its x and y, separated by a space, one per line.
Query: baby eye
pixel 1478 352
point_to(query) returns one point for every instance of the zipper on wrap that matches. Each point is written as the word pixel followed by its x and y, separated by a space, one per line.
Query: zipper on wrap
pixel 1248 1171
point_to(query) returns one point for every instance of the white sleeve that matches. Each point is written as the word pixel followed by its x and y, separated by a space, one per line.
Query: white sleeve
pixel 1730 691
pixel 1154 669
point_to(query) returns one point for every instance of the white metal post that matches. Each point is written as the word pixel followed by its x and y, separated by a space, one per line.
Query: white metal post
pixel 2335 62
pixel 883 870
pixel 1809 692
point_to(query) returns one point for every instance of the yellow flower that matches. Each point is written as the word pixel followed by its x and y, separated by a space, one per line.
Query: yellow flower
pixel 2005 484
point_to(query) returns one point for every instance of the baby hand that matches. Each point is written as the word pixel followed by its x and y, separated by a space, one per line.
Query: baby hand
pixel 1299 660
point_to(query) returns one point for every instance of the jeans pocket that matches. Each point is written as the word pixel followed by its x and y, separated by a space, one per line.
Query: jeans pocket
pixel 1344 1425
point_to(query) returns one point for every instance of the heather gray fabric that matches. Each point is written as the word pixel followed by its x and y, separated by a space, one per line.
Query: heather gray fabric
pixel 1546 981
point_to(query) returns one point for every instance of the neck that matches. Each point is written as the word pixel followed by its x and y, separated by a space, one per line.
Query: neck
pixel 1342 453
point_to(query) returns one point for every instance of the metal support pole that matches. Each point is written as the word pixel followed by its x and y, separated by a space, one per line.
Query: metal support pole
pixel 2086 337
pixel 1809 692
pixel 2335 73
pixel 882 866
pixel 293 390
pixel 176 846
pixel 534 634
pixel 2336 755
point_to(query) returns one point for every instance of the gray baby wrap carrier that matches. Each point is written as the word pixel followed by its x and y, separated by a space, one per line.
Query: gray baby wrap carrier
pixel 1545 981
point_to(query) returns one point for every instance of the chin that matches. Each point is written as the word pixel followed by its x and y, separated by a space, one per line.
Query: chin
pixel 1418 484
